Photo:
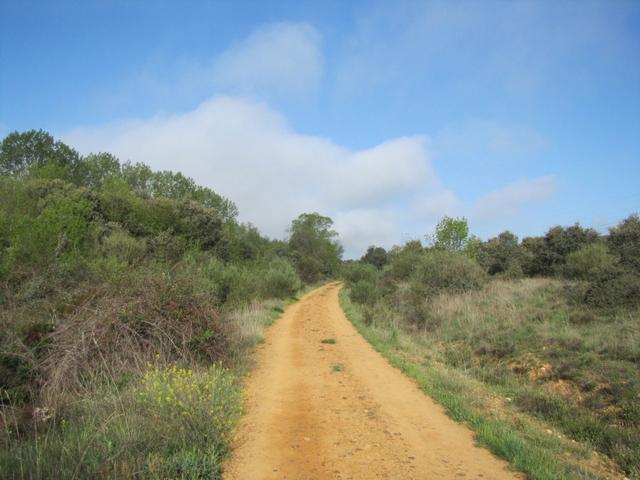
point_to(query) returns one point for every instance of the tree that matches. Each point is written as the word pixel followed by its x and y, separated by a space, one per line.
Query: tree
pixel 314 247
pixel 95 169
pixel 452 234
pixel 501 255
pixel 21 153
pixel 376 256
pixel 548 255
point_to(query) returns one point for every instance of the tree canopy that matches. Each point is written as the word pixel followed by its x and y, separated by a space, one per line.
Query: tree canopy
pixel 314 246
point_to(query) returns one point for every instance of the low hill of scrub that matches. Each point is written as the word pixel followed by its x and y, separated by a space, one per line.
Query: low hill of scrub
pixel 130 300
pixel 547 328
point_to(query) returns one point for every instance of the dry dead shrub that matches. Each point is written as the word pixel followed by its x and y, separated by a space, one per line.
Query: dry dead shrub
pixel 107 340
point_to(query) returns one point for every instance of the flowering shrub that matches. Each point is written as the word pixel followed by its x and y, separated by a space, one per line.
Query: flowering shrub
pixel 207 402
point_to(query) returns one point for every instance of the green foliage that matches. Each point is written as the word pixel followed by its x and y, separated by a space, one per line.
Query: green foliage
pixel 241 242
pixel 376 256
pixel 206 401
pixel 364 292
pixel 589 261
pixel 172 424
pixel 437 272
pixel 56 233
pixel 356 271
pixel 280 279
pixel 624 241
pixel 442 271
pixel 21 153
pixel 104 266
pixel 547 255
pixel 452 234
pixel 613 287
pixel 95 170
pixel 501 255
pixel 403 260
pixel 314 247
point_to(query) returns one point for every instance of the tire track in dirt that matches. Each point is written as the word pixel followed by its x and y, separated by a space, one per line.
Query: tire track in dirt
pixel 340 411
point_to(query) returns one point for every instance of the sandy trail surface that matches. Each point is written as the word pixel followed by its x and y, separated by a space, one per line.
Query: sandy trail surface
pixel 340 411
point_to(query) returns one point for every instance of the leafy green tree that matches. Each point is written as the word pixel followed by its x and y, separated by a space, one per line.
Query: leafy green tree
pixel 452 234
pixel 95 169
pixel 144 181
pixel 376 256
pixel 547 255
pixel 501 255
pixel 314 246
pixel 20 153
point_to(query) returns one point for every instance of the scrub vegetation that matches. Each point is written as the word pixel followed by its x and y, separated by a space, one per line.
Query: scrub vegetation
pixel 535 344
pixel 130 301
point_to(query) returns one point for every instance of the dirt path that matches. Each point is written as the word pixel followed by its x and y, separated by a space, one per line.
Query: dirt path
pixel 340 411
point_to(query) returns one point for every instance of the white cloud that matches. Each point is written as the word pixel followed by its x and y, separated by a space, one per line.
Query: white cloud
pixel 436 205
pixel 362 228
pixel 248 152
pixel 507 201
pixel 284 58
pixel 390 168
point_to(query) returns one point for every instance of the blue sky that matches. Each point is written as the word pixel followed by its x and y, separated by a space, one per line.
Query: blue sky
pixel 383 115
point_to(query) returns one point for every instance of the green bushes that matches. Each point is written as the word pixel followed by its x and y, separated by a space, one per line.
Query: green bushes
pixel 613 287
pixel 364 292
pixel 280 279
pixel 624 241
pixel 501 255
pixel 589 261
pixel 57 233
pixel 357 271
pixel 441 271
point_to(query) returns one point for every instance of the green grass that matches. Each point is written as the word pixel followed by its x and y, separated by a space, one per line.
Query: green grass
pixel 328 341
pixel 445 371
pixel 176 424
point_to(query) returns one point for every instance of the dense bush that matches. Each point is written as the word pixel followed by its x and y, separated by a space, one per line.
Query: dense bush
pixel 547 255
pixel 613 287
pixel 403 260
pixel 280 279
pixel 441 271
pixel 501 255
pixel 364 291
pixel 376 256
pixel 589 261
pixel 356 271
pixel 624 241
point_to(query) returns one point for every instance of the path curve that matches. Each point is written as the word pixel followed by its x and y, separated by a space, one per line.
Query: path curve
pixel 340 411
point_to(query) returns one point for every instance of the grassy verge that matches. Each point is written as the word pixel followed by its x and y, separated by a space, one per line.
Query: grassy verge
pixel 530 444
